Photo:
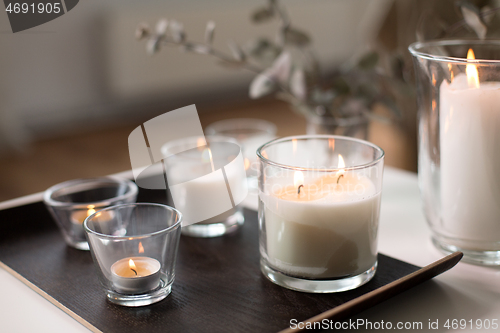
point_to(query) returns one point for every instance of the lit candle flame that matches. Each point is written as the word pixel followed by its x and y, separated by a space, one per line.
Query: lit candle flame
pixel 91 210
pixel 298 178
pixel 471 70
pixel 341 166
pixel 132 266
pixel 141 248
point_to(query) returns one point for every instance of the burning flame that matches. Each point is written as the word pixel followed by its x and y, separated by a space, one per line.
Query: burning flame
pixel 341 165
pixel 91 210
pixel 141 248
pixel 471 70
pixel 298 178
pixel 131 264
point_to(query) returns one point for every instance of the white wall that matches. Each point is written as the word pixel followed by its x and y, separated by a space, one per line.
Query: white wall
pixel 86 64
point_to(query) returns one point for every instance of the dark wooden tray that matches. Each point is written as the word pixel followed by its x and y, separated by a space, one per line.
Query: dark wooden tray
pixel 218 285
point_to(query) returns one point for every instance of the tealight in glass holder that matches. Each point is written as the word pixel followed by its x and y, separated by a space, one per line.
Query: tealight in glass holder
pixel 250 135
pixel 135 251
pixel 206 184
pixel 459 144
pixel 72 201
pixel 319 205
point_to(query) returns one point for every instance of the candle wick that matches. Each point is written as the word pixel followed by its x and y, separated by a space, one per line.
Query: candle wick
pixel 338 179
pixel 298 191
pixel 134 271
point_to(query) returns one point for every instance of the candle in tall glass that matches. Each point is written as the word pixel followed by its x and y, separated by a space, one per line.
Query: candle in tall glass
pixel 459 149
pixel 319 208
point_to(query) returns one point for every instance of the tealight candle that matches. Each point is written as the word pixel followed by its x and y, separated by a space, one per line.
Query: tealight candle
pixel 78 216
pixel 135 275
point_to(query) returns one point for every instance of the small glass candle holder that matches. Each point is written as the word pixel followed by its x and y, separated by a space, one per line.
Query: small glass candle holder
pixel 72 201
pixel 206 184
pixel 250 135
pixel 459 152
pixel 134 252
pixel 319 204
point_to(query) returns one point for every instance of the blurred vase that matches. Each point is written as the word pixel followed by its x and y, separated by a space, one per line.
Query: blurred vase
pixel 354 126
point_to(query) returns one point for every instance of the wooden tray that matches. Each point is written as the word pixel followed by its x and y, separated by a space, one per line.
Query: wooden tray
pixel 218 285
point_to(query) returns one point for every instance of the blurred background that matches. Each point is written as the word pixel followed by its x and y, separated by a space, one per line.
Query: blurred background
pixel 73 89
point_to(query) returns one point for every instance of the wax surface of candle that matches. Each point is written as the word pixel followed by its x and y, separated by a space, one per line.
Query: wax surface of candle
pixel 125 279
pixel 470 160
pixel 330 231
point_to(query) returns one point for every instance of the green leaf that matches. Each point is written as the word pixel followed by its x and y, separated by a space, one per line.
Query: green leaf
pixel 296 37
pixel 368 61
pixel 262 15
pixel 341 86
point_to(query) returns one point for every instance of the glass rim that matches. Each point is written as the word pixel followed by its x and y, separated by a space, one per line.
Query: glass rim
pixel 132 190
pixel 324 136
pixel 164 230
pixel 254 123
pixel 175 143
pixel 414 50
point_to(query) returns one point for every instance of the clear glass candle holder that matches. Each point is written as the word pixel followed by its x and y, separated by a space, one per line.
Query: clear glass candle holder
pixel 134 251
pixel 72 201
pixel 250 135
pixel 206 184
pixel 459 150
pixel 319 204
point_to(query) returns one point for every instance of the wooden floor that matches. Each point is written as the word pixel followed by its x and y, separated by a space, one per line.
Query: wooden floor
pixel 106 151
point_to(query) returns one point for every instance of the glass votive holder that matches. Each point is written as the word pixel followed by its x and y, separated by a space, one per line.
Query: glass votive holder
pixel 206 184
pixel 458 95
pixel 72 201
pixel 250 135
pixel 134 252
pixel 319 205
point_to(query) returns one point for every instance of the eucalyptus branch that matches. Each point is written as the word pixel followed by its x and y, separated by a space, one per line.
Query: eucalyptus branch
pixel 284 18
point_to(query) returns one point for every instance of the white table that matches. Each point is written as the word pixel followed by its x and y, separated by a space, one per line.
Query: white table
pixel 465 292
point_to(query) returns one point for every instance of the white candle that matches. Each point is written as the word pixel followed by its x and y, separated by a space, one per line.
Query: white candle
pixel 135 275
pixel 328 230
pixel 470 159
pixel 212 197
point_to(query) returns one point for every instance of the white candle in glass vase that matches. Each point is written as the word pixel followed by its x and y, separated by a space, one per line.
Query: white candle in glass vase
pixel 470 158
pixel 325 229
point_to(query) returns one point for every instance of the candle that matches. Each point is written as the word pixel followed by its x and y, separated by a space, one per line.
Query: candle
pixel 135 275
pixel 470 159
pixel 78 216
pixel 322 227
pixel 206 183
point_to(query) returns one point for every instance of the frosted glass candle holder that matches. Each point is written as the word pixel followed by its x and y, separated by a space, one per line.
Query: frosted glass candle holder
pixel 250 135
pixel 206 184
pixel 134 252
pixel 319 204
pixel 72 201
pixel 459 150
